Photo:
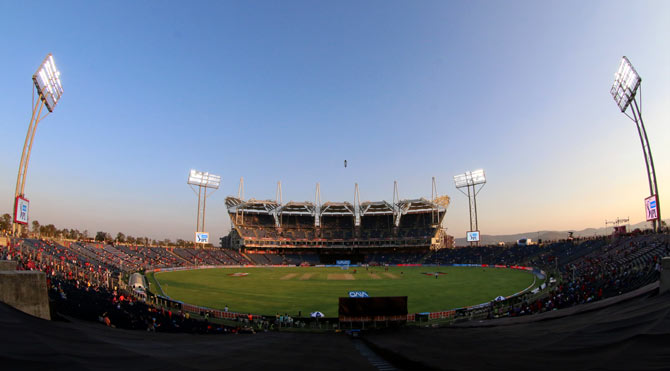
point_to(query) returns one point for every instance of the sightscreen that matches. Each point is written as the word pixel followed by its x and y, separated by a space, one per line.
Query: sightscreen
pixel 383 306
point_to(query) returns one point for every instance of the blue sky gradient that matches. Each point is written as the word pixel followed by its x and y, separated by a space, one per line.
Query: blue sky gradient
pixel 271 90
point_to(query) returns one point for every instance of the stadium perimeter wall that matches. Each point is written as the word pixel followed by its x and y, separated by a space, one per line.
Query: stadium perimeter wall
pixel 24 290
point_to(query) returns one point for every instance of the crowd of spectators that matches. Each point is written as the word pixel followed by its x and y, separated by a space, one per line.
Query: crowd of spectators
pixel 590 271
pixel 116 308
pixel 78 289
pixel 582 271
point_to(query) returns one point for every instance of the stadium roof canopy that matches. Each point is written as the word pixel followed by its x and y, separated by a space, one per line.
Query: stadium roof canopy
pixel 232 201
pixel 298 208
pixel 337 208
pixel 251 206
pixel 419 205
pixel 376 208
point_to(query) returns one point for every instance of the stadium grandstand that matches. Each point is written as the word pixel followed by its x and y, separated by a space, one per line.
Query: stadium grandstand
pixel 584 270
pixel 612 282
pixel 338 229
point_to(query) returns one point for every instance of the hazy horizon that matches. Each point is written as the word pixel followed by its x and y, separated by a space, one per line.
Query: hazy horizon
pixel 287 91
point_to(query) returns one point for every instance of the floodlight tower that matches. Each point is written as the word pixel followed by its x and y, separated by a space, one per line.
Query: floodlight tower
pixel 49 90
pixel 624 90
pixel 202 180
pixel 470 180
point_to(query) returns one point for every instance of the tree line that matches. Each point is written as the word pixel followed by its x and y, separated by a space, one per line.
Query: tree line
pixel 51 231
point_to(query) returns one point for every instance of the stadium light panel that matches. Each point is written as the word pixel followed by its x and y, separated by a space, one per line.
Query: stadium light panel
pixel 204 179
pixel 470 178
pixel 478 177
pixel 626 83
pixel 460 180
pixel 47 82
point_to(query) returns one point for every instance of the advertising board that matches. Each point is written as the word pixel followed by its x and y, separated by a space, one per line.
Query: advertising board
pixel 651 208
pixel 201 237
pixel 21 206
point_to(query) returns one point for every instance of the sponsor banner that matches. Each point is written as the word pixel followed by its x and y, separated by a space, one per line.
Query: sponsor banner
pixel 201 237
pixel 343 262
pixel 358 294
pixel 651 208
pixel 337 265
pixel 373 318
pixel 21 210
pixel 472 236
pixel 442 315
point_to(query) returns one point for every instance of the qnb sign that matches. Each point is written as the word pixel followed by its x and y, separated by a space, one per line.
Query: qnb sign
pixel 358 294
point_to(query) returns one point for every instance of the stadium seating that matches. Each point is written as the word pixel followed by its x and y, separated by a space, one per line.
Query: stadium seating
pixel 586 270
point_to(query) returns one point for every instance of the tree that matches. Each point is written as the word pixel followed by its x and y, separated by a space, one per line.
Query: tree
pixel 6 222
pixel 36 226
pixel 130 239
pixel 100 236
pixel 120 237
pixel 48 230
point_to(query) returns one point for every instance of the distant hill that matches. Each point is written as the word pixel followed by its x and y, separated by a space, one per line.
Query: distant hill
pixel 487 239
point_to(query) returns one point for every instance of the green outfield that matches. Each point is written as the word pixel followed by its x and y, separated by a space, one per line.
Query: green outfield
pixel 289 290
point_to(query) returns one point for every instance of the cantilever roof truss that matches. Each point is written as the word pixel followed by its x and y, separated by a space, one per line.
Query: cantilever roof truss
pixel 419 205
pixel 337 208
pixel 307 208
pixel 376 208
pixel 297 208
pixel 251 206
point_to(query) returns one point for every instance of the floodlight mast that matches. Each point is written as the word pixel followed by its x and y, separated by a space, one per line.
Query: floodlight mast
pixel 624 91
pixel 49 91
pixel 470 180
pixel 202 180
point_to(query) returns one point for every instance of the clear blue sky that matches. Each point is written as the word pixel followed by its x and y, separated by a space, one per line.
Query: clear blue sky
pixel 287 90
